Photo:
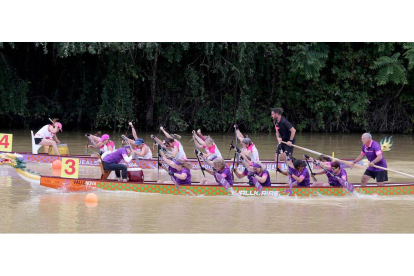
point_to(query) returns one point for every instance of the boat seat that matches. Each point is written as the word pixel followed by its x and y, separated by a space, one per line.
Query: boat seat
pixel 35 148
pixel 105 173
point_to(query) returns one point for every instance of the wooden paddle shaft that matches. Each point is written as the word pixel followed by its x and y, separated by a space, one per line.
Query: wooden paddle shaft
pixel 391 170
pixel 350 163
pixel 318 153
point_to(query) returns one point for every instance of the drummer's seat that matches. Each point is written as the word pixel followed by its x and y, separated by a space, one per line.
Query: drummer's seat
pixel 105 173
pixel 35 148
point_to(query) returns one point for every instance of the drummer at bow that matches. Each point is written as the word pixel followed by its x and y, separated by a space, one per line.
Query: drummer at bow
pixel 111 162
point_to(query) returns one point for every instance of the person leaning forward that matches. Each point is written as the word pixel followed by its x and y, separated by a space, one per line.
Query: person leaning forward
pixel 372 150
pixel 284 132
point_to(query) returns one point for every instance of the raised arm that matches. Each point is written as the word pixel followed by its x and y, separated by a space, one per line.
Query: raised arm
pixel 198 140
pixel 166 133
pixel 239 134
pixel 201 135
pixel 134 133
pixel 159 142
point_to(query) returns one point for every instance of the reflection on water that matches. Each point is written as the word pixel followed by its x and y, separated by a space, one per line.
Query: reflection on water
pixel 26 208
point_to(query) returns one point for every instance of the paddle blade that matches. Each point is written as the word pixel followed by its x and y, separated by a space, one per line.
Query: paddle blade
pixel 258 186
pixel 346 184
pixel 222 181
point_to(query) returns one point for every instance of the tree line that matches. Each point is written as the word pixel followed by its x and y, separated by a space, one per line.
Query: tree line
pixel 323 87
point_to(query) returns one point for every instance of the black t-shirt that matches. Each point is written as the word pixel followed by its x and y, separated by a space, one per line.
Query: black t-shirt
pixel 284 129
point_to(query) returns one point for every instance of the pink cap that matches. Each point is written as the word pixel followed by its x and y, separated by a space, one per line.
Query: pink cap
pixel 104 137
pixel 59 125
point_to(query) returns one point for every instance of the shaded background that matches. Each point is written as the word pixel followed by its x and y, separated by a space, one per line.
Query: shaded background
pixel 323 87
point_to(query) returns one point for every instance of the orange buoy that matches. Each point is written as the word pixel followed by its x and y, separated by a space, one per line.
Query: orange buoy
pixel 91 198
pixel 55 172
pixel 57 164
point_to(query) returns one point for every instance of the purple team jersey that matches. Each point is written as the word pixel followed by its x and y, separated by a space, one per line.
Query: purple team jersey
pixel 247 173
pixel 371 152
pixel 226 173
pixel 116 156
pixel 304 173
pixel 185 181
pixel 333 181
pixel 267 182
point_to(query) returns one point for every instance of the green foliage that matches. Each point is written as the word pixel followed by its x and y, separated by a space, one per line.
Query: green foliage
pixel 308 59
pixel 323 87
pixel 13 92
pixel 390 69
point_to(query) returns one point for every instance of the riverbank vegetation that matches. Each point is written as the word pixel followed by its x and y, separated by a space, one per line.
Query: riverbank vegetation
pixel 323 87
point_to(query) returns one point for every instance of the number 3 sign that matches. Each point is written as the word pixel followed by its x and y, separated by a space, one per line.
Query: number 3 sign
pixel 70 168
pixel 6 142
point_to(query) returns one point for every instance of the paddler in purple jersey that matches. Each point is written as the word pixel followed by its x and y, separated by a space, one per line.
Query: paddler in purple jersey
pixel 178 169
pixel 261 174
pixel 372 150
pixel 334 168
pixel 299 173
pixel 248 170
pixel 222 169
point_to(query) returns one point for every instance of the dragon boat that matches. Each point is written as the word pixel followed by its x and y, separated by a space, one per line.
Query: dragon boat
pixel 195 189
pixel 87 160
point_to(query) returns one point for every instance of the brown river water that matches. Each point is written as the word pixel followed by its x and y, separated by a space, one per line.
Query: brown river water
pixel 25 208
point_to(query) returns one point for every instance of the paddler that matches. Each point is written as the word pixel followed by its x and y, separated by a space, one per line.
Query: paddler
pixel 249 149
pixel 332 168
pixel 372 150
pixel 46 136
pixel 221 168
pixel 255 169
pixel 298 171
pixel 178 169
pixel 212 152
pixel 104 143
pixel 176 148
pixel 284 132
pixel 111 162
pixel 248 171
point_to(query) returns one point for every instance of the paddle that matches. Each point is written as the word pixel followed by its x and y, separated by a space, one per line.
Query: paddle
pixel 158 155
pixel 196 151
pixel 219 178
pixel 318 153
pixel 277 160
pixel 126 133
pixel 231 147
pixel 171 176
pixel 289 175
pixel 235 137
pixel 86 149
pixel 256 183
pixel 312 174
pixel 391 170
pixel 341 181
pixel 53 123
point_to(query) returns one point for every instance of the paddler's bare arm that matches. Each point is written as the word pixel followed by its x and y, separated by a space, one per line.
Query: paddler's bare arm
pixel 200 141
pixel 166 133
pixel 134 133
pixel 158 141
pixel 239 134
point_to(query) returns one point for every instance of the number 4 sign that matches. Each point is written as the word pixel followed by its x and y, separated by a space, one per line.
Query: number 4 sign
pixel 6 142
pixel 70 168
